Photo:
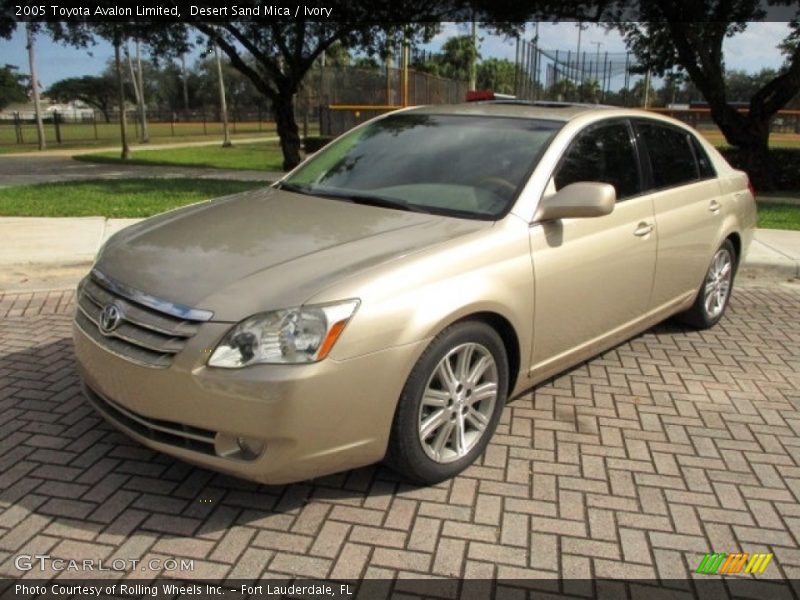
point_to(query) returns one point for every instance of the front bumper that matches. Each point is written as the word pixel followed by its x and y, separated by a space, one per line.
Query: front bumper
pixel 311 419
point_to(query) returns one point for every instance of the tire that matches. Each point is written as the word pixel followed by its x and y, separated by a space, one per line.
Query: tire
pixel 712 299
pixel 442 399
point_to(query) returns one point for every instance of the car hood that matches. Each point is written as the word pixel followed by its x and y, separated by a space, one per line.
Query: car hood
pixel 264 249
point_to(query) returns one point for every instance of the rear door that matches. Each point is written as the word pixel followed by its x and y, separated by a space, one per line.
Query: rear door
pixel 686 198
pixel 593 276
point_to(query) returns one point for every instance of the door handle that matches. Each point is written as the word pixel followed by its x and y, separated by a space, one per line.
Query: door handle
pixel 643 229
pixel 714 206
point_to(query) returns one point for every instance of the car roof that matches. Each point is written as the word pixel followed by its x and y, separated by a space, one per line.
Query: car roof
pixel 555 111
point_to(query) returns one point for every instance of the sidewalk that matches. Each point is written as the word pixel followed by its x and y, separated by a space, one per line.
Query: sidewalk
pixel 54 253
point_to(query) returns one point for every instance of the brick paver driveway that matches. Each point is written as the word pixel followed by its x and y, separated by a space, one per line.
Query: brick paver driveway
pixel 635 464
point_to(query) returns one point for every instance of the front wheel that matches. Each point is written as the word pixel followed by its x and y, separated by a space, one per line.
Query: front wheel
pixel 450 405
pixel 712 299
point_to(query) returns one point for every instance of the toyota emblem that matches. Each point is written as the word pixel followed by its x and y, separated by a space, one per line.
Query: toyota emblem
pixel 110 318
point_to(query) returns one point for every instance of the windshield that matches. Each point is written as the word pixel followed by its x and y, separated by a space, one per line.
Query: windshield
pixel 458 165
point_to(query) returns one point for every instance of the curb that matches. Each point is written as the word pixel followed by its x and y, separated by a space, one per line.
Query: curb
pixel 783 271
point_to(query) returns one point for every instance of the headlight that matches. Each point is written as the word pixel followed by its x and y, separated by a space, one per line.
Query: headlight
pixel 293 335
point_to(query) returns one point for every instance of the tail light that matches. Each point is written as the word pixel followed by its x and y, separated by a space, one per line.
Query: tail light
pixel 751 188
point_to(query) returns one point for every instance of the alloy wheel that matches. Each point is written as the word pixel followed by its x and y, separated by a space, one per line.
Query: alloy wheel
pixel 458 402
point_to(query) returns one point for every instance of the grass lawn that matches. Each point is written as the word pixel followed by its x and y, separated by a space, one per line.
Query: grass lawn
pixel 115 198
pixel 776 140
pixel 264 156
pixel 772 215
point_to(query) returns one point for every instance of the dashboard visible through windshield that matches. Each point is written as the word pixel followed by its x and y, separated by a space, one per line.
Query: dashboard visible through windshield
pixel 458 165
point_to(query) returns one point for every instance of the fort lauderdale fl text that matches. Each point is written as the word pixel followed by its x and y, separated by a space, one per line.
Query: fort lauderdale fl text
pixel 259 10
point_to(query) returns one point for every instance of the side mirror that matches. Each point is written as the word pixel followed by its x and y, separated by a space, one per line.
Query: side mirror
pixel 578 200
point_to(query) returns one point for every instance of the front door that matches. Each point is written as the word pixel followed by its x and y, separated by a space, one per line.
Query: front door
pixel 593 277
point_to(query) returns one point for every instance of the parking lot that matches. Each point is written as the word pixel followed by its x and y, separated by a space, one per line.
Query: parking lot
pixel 633 465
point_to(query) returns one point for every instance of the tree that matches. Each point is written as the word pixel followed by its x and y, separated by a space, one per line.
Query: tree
pixel 456 57
pixel 673 90
pixel 643 93
pixel 96 91
pixel 689 34
pixel 589 91
pixel 368 63
pixel 276 56
pixel 13 86
pixel 337 55
pixel 564 90
pixel 497 74
pixel 204 86
pixel 742 86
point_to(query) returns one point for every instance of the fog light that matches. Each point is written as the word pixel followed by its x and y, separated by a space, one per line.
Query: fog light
pixel 249 448
pixel 239 447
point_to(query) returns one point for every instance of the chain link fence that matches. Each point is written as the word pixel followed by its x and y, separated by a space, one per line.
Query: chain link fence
pixel 379 89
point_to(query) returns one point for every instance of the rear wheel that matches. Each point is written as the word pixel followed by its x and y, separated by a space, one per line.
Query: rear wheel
pixel 712 299
pixel 451 404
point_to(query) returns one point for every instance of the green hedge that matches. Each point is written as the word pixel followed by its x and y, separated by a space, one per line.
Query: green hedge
pixel 785 161
pixel 312 144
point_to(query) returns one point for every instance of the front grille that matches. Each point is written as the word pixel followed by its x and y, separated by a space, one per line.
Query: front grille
pixel 165 432
pixel 145 335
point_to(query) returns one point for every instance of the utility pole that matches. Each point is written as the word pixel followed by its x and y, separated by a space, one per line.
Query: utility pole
pixel 142 103
pixel 138 90
pixel 597 61
pixel 223 105
pixel 185 78
pixel 35 87
pixel 473 57
pixel 516 69
pixel 405 52
pixel 536 65
pixel 578 78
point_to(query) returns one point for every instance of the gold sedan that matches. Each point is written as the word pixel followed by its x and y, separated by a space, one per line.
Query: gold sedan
pixel 385 299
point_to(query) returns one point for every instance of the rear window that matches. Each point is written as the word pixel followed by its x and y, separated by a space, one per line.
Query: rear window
pixel 672 155
pixel 704 165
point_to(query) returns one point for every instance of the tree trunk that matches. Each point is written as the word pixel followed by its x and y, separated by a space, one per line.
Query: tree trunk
pixel 750 136
pixel 123 125
pixel 223 105
pixel 287 129
pixel 35 87
pixel 758 164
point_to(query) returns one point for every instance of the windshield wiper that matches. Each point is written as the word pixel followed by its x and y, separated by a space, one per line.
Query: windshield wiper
pixel 369 200
pixel 295 187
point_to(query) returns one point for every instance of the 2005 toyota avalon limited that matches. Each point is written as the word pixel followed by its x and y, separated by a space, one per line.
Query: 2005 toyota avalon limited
pixel 384 299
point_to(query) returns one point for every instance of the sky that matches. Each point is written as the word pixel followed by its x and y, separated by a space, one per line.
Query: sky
pixel 750 51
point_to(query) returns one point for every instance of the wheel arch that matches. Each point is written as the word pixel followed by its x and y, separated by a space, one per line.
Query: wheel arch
pixel 736 240
pixel 507 334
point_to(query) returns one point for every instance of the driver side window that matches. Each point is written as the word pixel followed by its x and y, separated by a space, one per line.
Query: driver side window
pixel 602 153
